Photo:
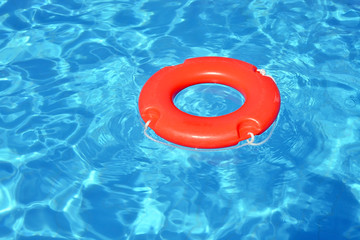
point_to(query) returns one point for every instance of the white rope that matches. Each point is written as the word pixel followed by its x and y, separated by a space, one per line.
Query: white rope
pixel 249 141
pixel 263 72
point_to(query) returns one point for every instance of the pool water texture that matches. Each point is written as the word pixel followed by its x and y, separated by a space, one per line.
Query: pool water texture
pixel 75 164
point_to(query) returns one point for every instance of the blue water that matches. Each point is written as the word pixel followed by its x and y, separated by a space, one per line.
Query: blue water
pixel 74 163
pixel 209 100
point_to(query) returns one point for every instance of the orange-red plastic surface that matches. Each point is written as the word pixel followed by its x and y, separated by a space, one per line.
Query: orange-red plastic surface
pixel 260 109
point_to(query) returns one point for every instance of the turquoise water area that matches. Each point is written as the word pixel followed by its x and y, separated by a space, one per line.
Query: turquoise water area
pixel 74 163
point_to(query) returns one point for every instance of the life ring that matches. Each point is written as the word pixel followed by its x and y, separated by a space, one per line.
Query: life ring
pixel 260 109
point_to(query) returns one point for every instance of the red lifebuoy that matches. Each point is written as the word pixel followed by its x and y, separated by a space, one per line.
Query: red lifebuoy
pixel 260 109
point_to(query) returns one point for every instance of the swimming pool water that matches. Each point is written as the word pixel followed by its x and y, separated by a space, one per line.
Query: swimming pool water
pixel 74 163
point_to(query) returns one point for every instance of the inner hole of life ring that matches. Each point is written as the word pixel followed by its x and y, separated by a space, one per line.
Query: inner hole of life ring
pixel 209 100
